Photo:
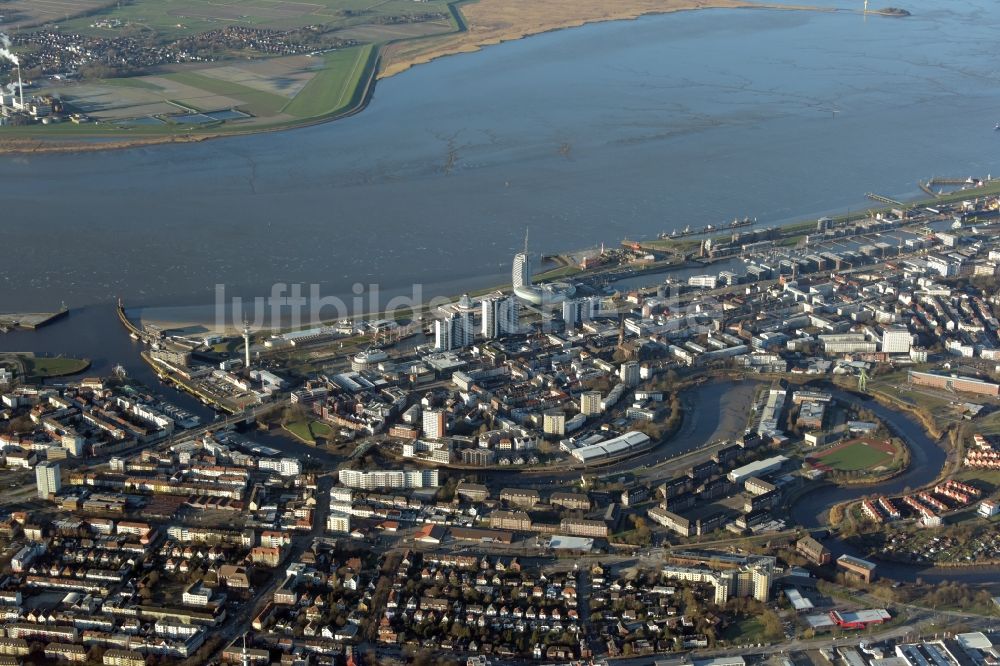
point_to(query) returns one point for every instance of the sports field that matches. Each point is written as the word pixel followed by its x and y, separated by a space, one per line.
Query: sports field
pixel 855 456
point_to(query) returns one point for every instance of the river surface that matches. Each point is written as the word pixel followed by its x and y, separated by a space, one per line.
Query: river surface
pixel 585 135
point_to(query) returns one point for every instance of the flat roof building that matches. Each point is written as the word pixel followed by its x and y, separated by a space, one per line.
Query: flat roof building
pixel 949 383
pixel 757 468
pixel 860 619
pixel 48 479
pixel 631 442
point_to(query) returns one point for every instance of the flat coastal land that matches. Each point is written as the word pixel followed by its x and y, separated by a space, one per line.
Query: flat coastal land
pixel 491 22
pixel 231 97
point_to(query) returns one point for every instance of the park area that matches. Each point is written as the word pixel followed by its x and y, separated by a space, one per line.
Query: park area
pixel 308 430
pixel 32 367
pixel 857 455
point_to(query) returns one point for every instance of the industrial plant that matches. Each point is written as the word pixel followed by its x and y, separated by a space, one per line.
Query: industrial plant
pixel 14 108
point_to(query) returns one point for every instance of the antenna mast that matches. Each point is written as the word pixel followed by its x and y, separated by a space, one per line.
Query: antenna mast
pixel 246 342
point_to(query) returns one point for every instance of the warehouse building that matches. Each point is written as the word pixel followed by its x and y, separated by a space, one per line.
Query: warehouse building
pixel 627 444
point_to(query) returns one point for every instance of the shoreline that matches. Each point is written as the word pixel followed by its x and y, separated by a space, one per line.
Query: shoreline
pixel 470 37
pixel 476 38
pixel 986 187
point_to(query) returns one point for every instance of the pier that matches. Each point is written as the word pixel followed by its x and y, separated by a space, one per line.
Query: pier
pixel 139 334
pixel 881 199
pixel 129 326
pixel 708 229
pixel 31 320
pixel 929 186
pixel 926 187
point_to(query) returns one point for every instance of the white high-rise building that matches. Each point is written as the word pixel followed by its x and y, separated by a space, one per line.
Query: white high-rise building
pixel 630 374
pixel 490 317
pixel 73 443
pixel 590 403
pixel 896 340
pixel 283 466
pixel 590 307
pixel 339 523
pixel 435 423
pixel 442 335
pixel 389 478
pixel 571 313
pixel 521 275
pixel 454 331
pixel 48 479
pixel 706 281
pixel 580 310
pixel 500 316
pixel 554 422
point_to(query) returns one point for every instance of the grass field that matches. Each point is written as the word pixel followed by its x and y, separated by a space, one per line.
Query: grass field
pixel 989 424
pixel 745 631
pixel 39 367
pixel 308 430
pixel 558 273
pixel 985 479
pixel 334 87
pixel 852 457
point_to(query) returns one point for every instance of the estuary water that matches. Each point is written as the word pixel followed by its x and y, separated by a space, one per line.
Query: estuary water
pixel 586 136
